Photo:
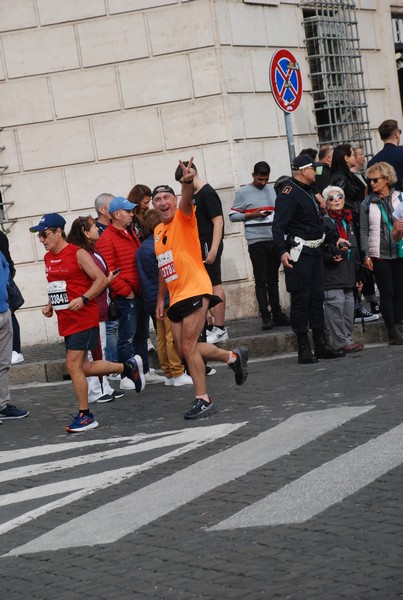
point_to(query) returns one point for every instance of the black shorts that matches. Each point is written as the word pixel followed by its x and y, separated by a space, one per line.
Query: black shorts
pixel 214 270
pixel 182 309
pixel 82 340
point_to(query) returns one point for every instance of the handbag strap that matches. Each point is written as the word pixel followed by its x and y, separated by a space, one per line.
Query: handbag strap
pixel 385 216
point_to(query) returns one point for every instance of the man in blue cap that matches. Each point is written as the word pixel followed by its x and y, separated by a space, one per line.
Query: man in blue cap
pixel 118 246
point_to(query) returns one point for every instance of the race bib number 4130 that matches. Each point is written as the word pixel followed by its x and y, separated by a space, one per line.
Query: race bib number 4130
pixel 166 266
pixel 57 295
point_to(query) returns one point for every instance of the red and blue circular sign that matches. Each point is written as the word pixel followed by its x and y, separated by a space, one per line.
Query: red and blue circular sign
pixel 285 80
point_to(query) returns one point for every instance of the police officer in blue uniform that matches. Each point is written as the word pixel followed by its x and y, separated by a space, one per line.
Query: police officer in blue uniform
pixel 299 233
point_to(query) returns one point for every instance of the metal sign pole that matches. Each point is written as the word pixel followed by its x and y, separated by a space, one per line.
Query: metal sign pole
pixel 290 136
pixel 286 87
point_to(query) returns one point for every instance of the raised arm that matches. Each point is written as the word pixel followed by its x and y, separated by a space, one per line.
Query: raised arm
pixel 186 201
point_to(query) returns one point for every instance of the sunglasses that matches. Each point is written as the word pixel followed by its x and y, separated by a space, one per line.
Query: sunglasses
pixel 375 179
pixel 42 235
pixel 336 197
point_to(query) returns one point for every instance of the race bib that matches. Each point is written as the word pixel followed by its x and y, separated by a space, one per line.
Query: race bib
pixel 166 266
pixel 57 295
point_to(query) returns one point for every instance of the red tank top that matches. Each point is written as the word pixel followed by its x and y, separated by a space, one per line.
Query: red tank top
pixel 66 281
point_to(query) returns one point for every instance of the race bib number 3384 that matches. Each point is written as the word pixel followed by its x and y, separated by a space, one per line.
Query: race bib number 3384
pixel 166 266
pixel 57 294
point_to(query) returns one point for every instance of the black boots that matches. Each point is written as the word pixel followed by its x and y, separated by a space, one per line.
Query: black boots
pixel 305 354
pixel 322 348
pixel 267 321
pixel 280 319
pixel 395 336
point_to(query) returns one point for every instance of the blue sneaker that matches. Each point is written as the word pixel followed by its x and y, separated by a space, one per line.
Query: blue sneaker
pixel 201 408
pixel 12 412
pixel 239 366
pixel 136 375
pixel 82 422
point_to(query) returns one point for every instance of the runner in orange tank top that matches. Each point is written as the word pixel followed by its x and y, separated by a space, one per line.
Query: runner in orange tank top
pixel 182 272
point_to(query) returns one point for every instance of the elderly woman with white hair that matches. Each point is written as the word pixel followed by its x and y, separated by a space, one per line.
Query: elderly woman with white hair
pixel 342 270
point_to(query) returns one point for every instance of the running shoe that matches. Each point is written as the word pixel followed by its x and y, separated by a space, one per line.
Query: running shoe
pixel 136 375
pixel 118 394
pixel 16 357
pixel 240 365
pixel 12 412
pixel 113 377
pixel 82 422
pixel 201 408
pixel 104 398
pixel 210 370
pixel 152 377
pixel 183 379
pixel 216 335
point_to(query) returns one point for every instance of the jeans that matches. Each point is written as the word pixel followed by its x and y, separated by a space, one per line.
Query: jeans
pixel 111 340
pixel 133 330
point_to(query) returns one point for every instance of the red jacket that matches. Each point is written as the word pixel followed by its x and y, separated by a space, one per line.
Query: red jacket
pixel 118 247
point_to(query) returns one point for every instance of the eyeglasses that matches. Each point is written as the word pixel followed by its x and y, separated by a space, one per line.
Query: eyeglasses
pixel 44 234
pixel 336 197
pixel 375 179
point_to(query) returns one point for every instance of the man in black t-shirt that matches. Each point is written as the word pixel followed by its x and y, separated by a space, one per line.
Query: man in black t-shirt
pixel 210 224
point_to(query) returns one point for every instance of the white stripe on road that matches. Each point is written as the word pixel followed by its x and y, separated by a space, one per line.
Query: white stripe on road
pixel 323 487
pixel 128 514
pixel 188 439
pixel 184 436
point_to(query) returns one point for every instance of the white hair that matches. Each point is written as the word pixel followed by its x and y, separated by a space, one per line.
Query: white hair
pixel 331 188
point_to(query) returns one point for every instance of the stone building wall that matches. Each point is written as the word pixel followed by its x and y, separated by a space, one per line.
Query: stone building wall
pixel 98 95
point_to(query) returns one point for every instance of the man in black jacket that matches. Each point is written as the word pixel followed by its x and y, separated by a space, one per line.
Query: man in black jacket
pixel 298 233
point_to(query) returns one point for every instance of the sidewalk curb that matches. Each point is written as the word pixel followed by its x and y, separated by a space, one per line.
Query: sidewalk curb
pixel 277 341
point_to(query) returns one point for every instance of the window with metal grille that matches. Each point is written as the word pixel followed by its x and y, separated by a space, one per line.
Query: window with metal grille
pixel 336 72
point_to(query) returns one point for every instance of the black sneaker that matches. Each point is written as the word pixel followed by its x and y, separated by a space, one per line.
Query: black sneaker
pixel 363 314
pixel 12 412
pixel 118 394
pixel 201 408
pixel 239 366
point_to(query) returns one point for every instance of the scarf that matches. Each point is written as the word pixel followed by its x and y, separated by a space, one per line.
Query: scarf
pixel 347 216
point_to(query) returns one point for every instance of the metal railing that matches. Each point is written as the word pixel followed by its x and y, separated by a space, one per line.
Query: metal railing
pixel 336 72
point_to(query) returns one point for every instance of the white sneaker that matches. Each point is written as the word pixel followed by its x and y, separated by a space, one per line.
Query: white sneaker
pixel 183 379
pixel 127 384
pixel 217 335
pixel 150 345
pixel 152 377
pixel 16 357
pixel 114 377
pixel 169 380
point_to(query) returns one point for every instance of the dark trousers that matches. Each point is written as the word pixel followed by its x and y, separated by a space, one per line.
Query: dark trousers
pixel 266 263
pixel 389 279
pixel 305 283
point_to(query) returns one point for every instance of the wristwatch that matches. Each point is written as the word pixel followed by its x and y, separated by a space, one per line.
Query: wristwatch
pixel 85 299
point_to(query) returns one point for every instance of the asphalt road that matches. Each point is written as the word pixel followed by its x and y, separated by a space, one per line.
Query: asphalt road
pixel 291 490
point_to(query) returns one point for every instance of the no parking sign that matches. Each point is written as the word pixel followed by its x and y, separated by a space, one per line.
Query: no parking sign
pixel 285 80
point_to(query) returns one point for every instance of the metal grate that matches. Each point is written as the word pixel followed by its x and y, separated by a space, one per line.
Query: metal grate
pixel 336 73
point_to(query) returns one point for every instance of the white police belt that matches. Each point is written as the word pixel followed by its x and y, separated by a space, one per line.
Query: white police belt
pixel 295 251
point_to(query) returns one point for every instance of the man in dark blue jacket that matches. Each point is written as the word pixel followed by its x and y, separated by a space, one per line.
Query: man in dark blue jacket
pixel 7 410
pixel 392 152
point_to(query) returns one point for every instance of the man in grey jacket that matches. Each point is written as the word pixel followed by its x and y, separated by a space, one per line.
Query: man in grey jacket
pixel 254 205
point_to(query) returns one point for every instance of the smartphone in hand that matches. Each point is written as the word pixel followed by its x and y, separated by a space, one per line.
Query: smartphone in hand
pixel 116 271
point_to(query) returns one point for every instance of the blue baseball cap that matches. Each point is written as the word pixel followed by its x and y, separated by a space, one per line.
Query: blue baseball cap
pixel 49 221
pixel 120 203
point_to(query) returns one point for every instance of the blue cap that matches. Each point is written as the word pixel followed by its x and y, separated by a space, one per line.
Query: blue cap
pixel 120 203
pixel 48 222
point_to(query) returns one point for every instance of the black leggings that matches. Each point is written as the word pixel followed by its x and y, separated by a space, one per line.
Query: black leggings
pixel 389 279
